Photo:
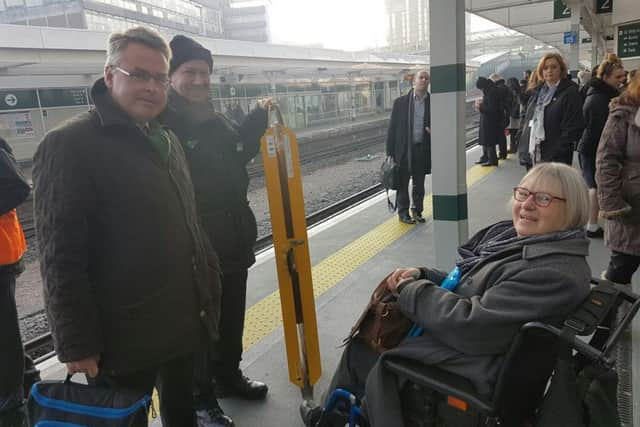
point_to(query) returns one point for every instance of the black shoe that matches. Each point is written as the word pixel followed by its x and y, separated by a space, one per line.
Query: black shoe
pixel 404 217
pixel 598 234
pixel 503 157
pixel 15 417
pixel 418 216
pixel 241 386
pixel 481 161
pixel 213 418
pixel 310 413
pixel 486 164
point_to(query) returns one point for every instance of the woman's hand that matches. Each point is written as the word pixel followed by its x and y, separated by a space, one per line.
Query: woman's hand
pixel 401 275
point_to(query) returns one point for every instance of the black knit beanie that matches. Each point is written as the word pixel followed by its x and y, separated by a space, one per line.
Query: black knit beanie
pixel 184 49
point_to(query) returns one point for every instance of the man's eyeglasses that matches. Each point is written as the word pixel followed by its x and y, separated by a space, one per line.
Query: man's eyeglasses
pixel 540 198
pixel 142 76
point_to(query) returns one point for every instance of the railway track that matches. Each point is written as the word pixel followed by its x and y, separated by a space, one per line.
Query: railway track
pixel 41 347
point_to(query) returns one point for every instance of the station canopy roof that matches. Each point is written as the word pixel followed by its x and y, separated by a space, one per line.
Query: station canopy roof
pixel 545 20
pixel 62 52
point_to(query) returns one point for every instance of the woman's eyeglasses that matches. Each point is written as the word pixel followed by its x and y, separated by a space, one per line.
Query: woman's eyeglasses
pixel 540 198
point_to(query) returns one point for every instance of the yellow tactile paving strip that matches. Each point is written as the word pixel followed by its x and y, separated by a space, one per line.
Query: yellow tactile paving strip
pixel 265 316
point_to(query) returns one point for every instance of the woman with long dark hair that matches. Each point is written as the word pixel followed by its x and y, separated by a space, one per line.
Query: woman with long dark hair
pixel 602 88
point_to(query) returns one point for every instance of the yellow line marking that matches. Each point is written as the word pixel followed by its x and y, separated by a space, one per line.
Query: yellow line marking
pixel 265 316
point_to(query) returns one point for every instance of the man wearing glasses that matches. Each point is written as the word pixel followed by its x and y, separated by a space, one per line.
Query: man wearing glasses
pixel 131 286
pixel 218 151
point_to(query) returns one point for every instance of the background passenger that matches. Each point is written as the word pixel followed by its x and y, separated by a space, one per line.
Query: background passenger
pixel 131 287
pixel 218 151
pixel 514 113
pixel 532 267
pixel 506 101
pixel 409 144
pixel 617 167
pixel 491 129
pixel 14 190
pixel 601 89
pixel 553 120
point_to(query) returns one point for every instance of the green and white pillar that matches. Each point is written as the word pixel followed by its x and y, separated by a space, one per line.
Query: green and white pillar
pixel 574 49
pixel 448 153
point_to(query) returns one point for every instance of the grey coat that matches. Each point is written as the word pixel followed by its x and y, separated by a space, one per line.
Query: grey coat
pixel 469 331
pixel 618 178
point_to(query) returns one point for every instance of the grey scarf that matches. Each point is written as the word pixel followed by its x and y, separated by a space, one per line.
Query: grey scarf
pixel 500 237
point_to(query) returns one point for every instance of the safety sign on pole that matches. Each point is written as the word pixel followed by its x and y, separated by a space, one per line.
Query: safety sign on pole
pixel 289 228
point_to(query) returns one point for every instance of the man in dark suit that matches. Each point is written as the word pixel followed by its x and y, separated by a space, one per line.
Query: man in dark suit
pixel 409 144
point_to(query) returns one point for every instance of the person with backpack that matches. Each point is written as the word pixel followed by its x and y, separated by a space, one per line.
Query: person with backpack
pixel 14 190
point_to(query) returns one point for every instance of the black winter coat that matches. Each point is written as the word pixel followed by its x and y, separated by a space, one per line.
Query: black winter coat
pixel 400 131
pixel 491 113
pixel 563 124
pixel 14 188
pixel 595 112
pixel 127 271
pixel 218 151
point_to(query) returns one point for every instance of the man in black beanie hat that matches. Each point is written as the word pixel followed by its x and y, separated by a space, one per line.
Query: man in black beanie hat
pixel 218 150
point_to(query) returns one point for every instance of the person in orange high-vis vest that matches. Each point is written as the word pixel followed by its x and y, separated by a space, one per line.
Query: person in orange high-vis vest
pixel 13 191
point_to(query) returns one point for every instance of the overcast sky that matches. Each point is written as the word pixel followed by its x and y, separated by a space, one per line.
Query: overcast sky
pixel 335 24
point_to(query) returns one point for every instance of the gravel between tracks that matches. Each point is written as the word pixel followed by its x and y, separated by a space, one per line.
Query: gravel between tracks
pixel 324 182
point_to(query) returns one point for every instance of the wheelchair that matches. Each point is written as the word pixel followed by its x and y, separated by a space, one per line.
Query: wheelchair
pixel 432 397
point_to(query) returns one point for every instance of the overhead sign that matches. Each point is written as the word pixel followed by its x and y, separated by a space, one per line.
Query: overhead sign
pixel 18 99
pixel 561 10
pixel 629 40
pixel 570 37
pixel 604 6
pixel 76 96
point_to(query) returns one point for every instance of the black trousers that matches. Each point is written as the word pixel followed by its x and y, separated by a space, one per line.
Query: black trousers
pixel 11 353
pixel 418 161
pixel 174 381
pixel 228 351
pixel 489 154
pixel 502 145
pixel 621 267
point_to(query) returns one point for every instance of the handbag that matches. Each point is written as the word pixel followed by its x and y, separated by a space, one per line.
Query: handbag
pixel 66 403
pixel 390 179
pixel 382 324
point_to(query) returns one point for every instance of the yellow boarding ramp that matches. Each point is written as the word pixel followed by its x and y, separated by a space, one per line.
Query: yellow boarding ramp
pixel 286 204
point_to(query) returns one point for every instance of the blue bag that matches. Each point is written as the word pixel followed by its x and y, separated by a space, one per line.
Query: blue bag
pixel 69 404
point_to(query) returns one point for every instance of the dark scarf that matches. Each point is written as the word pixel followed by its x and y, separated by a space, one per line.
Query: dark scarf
pixel 194 113
pixel 502 236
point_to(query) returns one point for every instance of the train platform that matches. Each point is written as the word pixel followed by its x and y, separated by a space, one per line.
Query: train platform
pixel 350 254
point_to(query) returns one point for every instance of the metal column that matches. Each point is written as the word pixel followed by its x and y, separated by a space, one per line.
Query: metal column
pixel 574 51
pixel 447 40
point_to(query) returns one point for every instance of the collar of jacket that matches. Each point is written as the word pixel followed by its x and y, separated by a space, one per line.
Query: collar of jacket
pixel 109 113
pixel 577 247
pixel 562 85
pixel 597 85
